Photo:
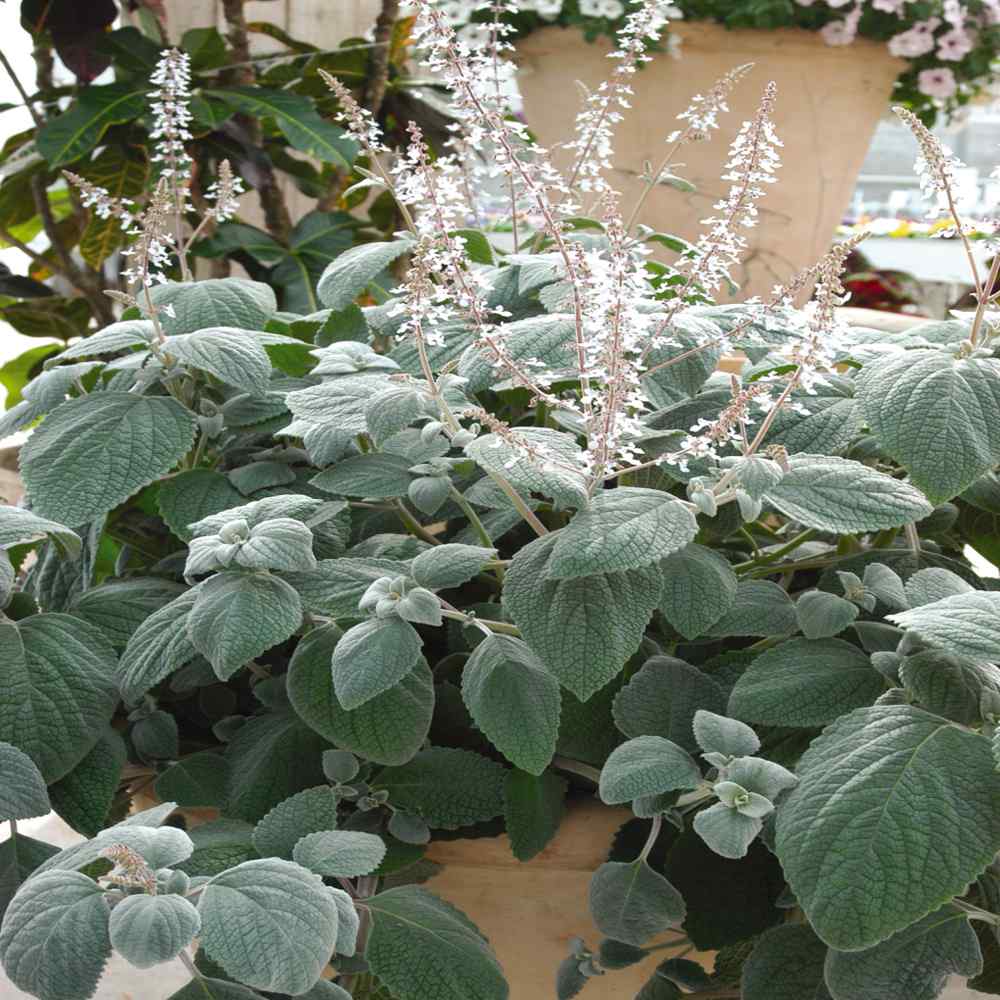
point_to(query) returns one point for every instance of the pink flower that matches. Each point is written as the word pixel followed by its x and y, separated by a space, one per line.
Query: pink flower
pixel 918 41
pixel 955 45
pixel 842 32
pixel 939 83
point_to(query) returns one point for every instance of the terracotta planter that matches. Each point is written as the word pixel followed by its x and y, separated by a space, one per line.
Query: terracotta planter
pixel 830 99
pixel 530 911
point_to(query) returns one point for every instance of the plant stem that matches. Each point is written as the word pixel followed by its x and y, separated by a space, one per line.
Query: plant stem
pixel 469 512
pixel 977 913
pixel 413 525
pixel 984 298
pixel 189 965
pixel 912 538
pixel 577 767
pixel 486 625
pixel 32 110
pixel 654 833
pixel 770 557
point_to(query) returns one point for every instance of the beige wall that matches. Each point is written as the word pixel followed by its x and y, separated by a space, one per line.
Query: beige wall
pixel 321 22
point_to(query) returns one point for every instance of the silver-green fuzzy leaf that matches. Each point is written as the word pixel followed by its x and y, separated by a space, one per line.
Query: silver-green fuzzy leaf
pixel 270 924
pixel 838 494
pixel 310 811
pixel 936 415
pixel 914 964
pixel 622 529
pixel 446 787
pixel 445 566
pixel 786 964
pixel 965 624
pixel 699 587
pixel 96 451
pixel 233 356
pixel 148 930
pixel 22 787
pixel 238 616
pixel 632 903
pixel 514 700
pixel 584 629
pixel 872 774
pixel 20 525
pixel 54 939
pixel 373 657
pixel 340 853
pixel 59 690
pixel 647 765
pixel 350 274
pixel 805 682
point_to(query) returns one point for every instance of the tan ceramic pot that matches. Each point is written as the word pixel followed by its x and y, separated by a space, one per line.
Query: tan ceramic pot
pixel 830 99
pixel 529 911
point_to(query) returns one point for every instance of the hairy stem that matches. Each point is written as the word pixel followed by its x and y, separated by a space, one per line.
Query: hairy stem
pixel 577 767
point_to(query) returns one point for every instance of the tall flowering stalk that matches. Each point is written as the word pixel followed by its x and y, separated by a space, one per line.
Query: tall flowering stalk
pixel 171 117
pixel 603 109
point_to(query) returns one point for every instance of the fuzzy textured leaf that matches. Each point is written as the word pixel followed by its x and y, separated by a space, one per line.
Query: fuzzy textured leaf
pixel 632 903
pixel 912 965
pixel 446 787
pixel 58 692
pixel 514 700
pixel 238 616
pixel 871 775
pixel 350 274
pixel 533 809
pixel 445 566
pixel 786 964
pixel 422 948
pixel 340 853
pixel 936 415
pixel 272 924
pixel 373 657
pixel 158 647
pixel 622 529
pixel 805 682
pixel 22 787
pixel 311 811
pixel 838 494
pixel 83 798
pixel 699 587
pixel 965 624
pixel 584 629
pixel 388 729
pixel 96 451
pixel 661 699
pixel 647 765
pixel 148 930
pixel 54 939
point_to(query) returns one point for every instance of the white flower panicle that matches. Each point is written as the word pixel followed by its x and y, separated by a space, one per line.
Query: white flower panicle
pixel 171 118
pixel 149 255
pixel 618 311
pixel 935 164
pixel 702 114
pixel 602 110
pixel 223 194
pixel 99 199
pixel 356 121
pixel 753 160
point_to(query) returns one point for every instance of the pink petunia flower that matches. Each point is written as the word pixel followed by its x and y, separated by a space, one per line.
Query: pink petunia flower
pixel 939 83
pixel 954 45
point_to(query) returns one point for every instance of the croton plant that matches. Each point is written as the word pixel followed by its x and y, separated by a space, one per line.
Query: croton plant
pixel 375 575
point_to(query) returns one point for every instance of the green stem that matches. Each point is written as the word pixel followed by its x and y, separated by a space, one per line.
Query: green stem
pixel 977 913
pixel 413 525
pixel 467 510
pixel 654 833
pixel 769 557
pixel 485 625
pixel 577 767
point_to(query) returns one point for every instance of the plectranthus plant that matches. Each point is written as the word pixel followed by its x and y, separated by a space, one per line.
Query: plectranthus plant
pixel 293 596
